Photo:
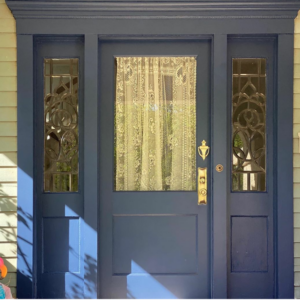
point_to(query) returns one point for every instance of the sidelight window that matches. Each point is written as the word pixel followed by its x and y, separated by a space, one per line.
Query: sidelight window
pixel 249 124
pixel 61 125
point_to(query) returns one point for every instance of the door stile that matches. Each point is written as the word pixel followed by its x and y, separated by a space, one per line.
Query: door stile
pixel 284 163
pixel 219 179
pixel 90 165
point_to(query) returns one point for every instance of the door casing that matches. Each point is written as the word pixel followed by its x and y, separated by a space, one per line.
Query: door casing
pixel 43 19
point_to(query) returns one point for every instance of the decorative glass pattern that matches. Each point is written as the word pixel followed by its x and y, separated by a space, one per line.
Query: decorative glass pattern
pixel 61 125
pixel 249 124
pixel 155 124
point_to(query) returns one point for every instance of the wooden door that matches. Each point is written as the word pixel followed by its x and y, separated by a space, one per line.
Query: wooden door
pixel 154 239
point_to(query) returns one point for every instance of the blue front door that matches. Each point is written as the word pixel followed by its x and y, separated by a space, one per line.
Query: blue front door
pixel 154 111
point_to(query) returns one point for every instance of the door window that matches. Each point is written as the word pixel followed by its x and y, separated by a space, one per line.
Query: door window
pixel 155 124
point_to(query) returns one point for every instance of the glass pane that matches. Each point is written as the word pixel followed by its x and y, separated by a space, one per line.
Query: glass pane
pixel 155 124
pixel 249 124
pixel 61 125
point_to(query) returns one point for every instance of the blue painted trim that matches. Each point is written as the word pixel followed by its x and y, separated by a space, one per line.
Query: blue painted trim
pixel 285 230
pixel 25 240
pixel 90 166
pixel 219 156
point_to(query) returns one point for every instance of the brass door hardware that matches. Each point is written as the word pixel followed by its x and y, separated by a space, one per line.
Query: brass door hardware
pixel 203 150
pixel 219 168
pixel 202 186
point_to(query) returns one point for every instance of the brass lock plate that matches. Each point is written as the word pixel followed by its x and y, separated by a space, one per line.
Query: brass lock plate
pixel 202 186
pixel 219 168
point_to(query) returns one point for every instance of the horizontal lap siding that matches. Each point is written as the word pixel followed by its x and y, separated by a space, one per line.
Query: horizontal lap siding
pixel 8 144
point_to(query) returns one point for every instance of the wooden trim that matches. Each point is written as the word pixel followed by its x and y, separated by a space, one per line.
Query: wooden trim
pixel 284 168
pixel 220 184
pixel 203 9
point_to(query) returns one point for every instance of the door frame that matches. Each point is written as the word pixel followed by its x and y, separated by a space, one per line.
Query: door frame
pixel 106 20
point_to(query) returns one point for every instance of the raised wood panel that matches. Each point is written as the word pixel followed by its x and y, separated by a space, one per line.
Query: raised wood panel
pixel 297 261
pixel 9 189
pixel 8 219
pixel 8 68
pixel 8 84
pixel 8 40
pixel 8 203
pixel 8 129
pixel 10 99
pixel 10 279
pixel 8 249
pixel 296 100
pixel 8 159
pixel 8 174
pixel 8 144
pixel 7 25
pixel 5 13
pixel 8 54
pixel 8 234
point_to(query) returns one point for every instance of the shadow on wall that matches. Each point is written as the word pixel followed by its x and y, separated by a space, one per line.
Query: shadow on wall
pixel 9 248
pixel 8 239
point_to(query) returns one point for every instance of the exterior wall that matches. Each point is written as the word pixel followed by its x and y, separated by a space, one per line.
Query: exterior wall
pixel 8 147
pixel 8 144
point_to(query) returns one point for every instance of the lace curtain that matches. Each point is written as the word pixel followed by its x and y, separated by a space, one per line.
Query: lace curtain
pixel 155 124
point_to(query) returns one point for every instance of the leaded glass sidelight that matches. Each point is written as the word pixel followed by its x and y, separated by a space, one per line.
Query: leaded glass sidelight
pixel 61 125
pixel 155 124
pixel 249 124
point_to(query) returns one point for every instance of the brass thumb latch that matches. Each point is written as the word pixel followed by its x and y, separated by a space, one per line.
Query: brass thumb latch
pixel 202 186
pixel 203 150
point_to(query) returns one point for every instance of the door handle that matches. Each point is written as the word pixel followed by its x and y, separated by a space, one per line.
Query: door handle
pixel 202 186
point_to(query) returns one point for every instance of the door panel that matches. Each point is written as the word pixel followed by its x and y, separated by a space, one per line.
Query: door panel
pixel 153 244
pixel 251 207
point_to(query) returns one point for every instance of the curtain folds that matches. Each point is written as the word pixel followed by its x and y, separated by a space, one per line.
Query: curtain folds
pixel 155 124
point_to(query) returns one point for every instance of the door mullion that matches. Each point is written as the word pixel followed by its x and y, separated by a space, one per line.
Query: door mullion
pixel 219 179
pixel 90 163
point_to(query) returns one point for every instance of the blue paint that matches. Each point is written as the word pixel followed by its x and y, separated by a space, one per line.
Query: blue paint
pixel 141 285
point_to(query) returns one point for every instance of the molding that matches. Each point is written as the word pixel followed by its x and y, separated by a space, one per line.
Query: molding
pixel 148 9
